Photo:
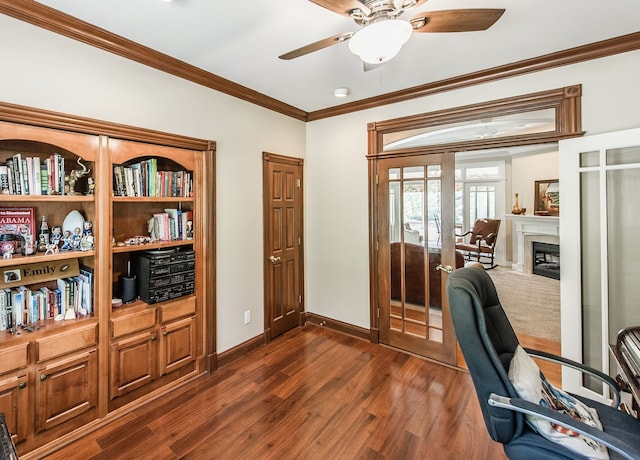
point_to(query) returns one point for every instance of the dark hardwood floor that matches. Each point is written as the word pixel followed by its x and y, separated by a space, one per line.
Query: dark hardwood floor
pixel 310 394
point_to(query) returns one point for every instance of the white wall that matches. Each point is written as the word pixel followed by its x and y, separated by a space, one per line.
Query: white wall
pixel 44 70
pixel 337 227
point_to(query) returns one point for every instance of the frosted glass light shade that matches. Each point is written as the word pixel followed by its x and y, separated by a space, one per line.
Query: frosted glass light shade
pixel 380 41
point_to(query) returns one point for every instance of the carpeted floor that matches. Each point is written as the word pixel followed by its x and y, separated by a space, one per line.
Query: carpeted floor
pixel 532 302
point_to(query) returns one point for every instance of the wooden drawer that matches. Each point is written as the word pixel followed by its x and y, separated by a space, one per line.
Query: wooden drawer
pixel 136 321
pixel 15 357
pixel 66 342
pixel 185 306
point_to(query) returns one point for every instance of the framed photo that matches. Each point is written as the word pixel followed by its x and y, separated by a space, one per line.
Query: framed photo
pixel 547 197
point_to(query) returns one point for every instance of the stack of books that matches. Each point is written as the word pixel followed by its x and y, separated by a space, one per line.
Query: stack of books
pixel 22 305
pixel 144 180
pixel 23 175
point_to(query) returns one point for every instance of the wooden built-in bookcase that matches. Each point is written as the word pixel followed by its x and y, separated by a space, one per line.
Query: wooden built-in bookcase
pixel 60 378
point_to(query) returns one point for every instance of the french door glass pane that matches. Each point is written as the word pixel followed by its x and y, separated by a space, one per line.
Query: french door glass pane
pixel 623 228
pixel 624 156
pixel 591 276
pixel 415 212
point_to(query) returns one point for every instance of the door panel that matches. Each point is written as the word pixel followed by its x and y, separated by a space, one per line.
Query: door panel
pixel 282 243
pixel 599 178
pixel 415 199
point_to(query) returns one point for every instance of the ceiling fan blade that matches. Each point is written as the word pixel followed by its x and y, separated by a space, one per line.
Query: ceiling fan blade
pixel 468 20
pixel 342 7
pixel 320 44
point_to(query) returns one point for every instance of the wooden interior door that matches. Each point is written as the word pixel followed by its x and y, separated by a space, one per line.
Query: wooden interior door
pixel 282 243
pixel 416 241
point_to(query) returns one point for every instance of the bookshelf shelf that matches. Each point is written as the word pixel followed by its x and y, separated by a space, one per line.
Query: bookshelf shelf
pixel 146 199
pixel 44 327
pixel 46 198
pixel 40 257
pixel 150 246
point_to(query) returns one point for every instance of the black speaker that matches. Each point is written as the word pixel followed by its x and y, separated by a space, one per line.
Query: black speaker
pixel 128 286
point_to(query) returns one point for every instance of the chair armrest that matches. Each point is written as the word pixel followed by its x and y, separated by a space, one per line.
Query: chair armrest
pixel 615 388
pixel 463 234
pixel 528 408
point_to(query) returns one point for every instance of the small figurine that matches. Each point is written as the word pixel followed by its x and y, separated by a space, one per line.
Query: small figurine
pixel 189 229
pixel 43 236
pixel 75 239
pixel 88 228
pixel 74 176
pixel 87 240
pixel 52 248
pixel 56 235
pixel 91 186
pixel 65 241
pixel 7 251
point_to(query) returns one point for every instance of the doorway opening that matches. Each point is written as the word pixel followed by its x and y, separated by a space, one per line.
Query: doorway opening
pixel 520 121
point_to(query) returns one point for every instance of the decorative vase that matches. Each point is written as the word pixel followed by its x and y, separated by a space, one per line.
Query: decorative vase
pixel 517 209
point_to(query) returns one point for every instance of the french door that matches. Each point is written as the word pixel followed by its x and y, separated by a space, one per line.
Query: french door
pixel 599 228
pixel 415 248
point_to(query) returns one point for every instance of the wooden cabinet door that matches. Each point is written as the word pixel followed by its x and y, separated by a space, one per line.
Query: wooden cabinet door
pixel 13 403
pixel 177 344
pixel 133 363
pixel 65 389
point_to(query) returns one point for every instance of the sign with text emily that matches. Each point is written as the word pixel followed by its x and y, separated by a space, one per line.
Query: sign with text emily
pixel 18 275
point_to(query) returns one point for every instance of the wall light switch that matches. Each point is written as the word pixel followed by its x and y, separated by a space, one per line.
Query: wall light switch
pixel 247 317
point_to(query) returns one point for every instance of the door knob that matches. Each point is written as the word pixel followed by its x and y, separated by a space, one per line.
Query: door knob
pixel 445 268
pixel 273 260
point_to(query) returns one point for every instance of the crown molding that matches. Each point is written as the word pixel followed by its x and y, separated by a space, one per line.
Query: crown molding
pixel 617 45
pixel 56 120
pixel 51 19
pixel 61 23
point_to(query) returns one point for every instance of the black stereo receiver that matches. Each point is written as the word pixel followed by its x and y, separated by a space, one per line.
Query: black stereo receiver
pixel 165 274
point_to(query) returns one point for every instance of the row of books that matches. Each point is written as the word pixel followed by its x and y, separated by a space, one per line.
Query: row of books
pixel 22 306
pixel 24 175
pixel 630 349
pixel 172 224
pixel 144 179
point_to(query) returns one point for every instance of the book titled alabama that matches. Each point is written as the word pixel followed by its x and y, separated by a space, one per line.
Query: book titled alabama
pixel 18 221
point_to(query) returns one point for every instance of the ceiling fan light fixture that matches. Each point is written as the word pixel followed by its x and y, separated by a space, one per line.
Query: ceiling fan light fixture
pixel 380 41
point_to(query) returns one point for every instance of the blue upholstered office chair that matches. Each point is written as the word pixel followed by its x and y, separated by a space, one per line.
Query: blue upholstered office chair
pixel 488 344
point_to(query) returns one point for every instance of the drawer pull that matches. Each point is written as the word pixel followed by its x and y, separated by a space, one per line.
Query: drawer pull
pixel 43 377
pixel 22 385
pixel 153 338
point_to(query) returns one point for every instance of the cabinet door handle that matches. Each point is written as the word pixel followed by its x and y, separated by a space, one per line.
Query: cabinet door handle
pixel 165 333
pixel 43 377
pixel 22 385
pixel 153 338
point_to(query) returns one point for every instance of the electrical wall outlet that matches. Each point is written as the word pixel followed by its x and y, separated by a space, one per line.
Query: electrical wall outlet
pixel 247 317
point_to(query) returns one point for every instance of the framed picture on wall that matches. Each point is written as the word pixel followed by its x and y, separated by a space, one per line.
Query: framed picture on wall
pixel 547 197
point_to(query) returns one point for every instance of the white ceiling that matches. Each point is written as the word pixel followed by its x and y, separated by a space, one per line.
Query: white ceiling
pixel 241 41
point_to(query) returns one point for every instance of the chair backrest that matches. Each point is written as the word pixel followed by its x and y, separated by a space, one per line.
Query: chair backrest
pixel 486 229
pixel 488 342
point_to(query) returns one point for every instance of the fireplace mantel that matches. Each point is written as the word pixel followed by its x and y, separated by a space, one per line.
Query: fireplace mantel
pixel 526 229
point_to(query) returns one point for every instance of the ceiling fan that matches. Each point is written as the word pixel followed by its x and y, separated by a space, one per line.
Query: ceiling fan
pixel 383 32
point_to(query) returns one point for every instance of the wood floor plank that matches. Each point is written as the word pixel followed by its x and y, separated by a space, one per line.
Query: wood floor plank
pixel 311 394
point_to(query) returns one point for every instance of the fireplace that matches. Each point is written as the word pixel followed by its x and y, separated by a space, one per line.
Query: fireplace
pixel 546 259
